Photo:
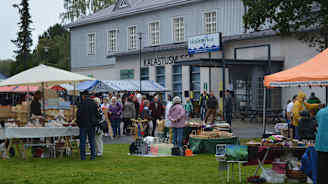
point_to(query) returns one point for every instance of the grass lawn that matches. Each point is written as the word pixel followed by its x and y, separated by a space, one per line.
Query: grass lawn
pixel 114 167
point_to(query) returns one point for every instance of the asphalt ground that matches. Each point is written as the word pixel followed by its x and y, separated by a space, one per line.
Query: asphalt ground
pixel 240 128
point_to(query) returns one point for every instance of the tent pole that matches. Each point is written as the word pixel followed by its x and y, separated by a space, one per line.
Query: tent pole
pixel 43 99
pixel 74 100
pixel 264 109
pixel 326 95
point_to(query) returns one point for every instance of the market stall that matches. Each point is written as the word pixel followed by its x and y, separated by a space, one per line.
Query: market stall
pixel 286 154
pixel 204 138
pixel 57 115
pixel 95 86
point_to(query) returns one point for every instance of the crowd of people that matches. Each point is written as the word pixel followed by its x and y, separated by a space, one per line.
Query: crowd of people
pixel 118 110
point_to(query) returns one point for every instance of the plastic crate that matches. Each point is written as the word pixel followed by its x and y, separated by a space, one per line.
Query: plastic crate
pixel 279 167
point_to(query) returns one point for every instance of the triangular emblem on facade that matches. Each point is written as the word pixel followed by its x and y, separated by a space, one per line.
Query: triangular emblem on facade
pixel 122 4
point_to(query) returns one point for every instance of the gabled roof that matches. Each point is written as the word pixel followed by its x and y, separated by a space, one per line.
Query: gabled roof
pixel 134 7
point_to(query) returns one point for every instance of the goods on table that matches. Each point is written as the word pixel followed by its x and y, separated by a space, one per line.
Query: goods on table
pixel 160 126
pixel 211 134
pixel 194 123
pixel 6 112
pixel 281 141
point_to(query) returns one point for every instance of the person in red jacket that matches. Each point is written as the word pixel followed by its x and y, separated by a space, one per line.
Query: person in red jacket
pixel 157 112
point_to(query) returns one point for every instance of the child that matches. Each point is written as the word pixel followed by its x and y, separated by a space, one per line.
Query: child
pixel 188 108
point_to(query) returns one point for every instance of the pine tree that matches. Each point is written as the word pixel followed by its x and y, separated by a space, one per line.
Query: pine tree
pixel 24 38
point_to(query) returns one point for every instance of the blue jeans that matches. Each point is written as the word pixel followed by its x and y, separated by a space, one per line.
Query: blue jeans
pixel 296 135
pixel 116 126
pixel 90 133
pixel 202 112
pixel 228 117
pixel 177 137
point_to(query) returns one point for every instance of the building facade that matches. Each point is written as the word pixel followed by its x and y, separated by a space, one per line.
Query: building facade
pixel 106 45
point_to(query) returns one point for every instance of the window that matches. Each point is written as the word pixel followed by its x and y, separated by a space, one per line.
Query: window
pixel 112 41
pixel 144 74
pixel 178 29
pixel 154 33
pixel 126 74
pixel 195 81
pixel 123 4
pixel 177 80
pixel 91 43
pixel 132 37
pixel 160 75
pixel 210 22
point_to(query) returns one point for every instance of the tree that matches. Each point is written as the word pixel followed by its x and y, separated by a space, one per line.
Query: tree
pixel 307 19
pixel 77 8
pixel 53 48
pixel 5 66
pixel 24 38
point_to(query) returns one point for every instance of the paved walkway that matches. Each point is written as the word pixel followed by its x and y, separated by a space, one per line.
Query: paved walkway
pixel 242 129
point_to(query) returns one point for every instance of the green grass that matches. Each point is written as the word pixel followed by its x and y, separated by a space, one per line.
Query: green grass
pixel 114 167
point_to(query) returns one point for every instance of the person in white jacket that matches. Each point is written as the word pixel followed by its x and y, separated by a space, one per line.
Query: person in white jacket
pixel 99 134
pixel 168 123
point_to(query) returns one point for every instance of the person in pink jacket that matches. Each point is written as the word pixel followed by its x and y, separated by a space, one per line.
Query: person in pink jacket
pixel 177 117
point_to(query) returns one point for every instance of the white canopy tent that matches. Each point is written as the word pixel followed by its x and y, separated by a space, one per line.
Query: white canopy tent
pixel 43 74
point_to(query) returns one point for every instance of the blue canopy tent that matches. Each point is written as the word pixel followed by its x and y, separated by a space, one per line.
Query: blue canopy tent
pixel 95 86
pixel 134 85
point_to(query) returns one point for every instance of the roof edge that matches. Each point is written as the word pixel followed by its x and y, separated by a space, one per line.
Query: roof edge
pixel 132 12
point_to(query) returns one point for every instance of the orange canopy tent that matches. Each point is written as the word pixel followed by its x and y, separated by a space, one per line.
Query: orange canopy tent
pixel 310 73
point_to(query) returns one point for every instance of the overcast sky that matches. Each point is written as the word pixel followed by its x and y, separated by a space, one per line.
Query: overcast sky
pixel 44 14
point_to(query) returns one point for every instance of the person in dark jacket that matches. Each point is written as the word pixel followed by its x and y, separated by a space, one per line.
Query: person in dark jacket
pixel 202 104
pixel 212 105
pixel 228 106
pixel 129 112
pixel 136 105
pixel 36 105
pixel 306 126
pixel 86 120
pixel 313 100
pixel 157 112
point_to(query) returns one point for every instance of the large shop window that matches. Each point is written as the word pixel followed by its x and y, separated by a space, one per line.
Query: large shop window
pixel 126 74
pixel 160 75
pixel 160 78
pixel 195 81
pixel 144 74
pixel 132 37
pixel 210 22
pixel 112 40
pixel 177 80
pixel 178 29
pixel 154 33
pixel 91 43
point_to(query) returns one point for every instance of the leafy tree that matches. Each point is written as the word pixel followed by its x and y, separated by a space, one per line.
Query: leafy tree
pixel 307 19
pixel 24 38
pixel 53 48
pixel 77 8
pixel 5 66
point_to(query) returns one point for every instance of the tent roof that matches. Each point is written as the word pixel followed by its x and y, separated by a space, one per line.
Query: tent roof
pixel 134 85
pixel 43 74
pixel 95 86
pixel 310 73
pixel 23 89
pixel 6 89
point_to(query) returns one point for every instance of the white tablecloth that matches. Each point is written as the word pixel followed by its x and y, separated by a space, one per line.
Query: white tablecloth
pixel 23 132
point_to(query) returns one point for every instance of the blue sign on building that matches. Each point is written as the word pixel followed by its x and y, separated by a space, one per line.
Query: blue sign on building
pixel 204 43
